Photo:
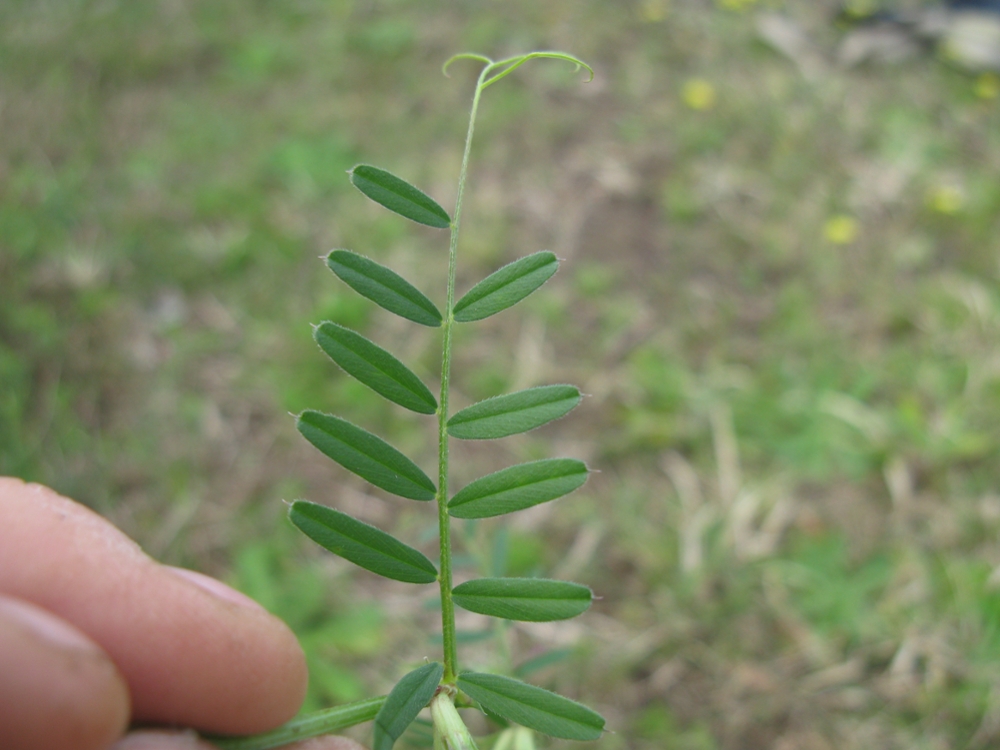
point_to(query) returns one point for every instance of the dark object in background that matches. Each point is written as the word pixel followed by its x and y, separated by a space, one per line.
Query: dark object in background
pixel 989 5
pixel 964 32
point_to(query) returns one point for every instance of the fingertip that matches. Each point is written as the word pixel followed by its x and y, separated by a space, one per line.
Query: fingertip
pixel 162 740
pixel 236 668
pixel 192 651
pixel 58 689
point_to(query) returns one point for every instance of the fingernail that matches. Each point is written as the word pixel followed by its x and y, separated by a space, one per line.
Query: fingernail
pixel 216 588
pixel 45 625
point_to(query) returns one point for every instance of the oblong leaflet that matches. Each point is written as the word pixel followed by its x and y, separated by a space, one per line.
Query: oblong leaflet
pixel 506 287
pixel 532 707
pixel 523 599
pixel 367 455
pixel 399 196
pixel 514 412
pixel 404 702
pixel 518 487
pixel 384 287
pixel 375 367
pixel 364 545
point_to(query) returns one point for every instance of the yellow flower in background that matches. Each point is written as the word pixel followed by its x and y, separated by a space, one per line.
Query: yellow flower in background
pixel 737 4
pixel 699 94
pixel 946 199
pixel 841 229
pixel 987 86
pixel 652 11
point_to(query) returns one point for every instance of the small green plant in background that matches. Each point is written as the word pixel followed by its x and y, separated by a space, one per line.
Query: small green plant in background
pixel 442 685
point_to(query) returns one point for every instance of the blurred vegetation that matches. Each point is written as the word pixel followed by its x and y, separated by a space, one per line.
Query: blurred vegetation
pixel 781 289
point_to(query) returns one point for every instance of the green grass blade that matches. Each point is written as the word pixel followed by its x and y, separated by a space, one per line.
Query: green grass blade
pixel 543 660
pixel 404 702
pixel 367 455
pixel 513 413
pixel 374 367
pixel 532 707
pixel 506 286
pixel 384 287
pixel 523 599
pixel 362 544
pixel 518 487
pixel 399 196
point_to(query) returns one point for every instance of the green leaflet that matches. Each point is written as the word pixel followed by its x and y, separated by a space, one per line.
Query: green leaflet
pixel 532 707
pixel 518 487
pixel 364 545
pixel 524 599
pixel 399 196
pixel 404 702
pixel 513 413
pixel 367 455
pixel 374 367
pixel 506 286
pixel 384 287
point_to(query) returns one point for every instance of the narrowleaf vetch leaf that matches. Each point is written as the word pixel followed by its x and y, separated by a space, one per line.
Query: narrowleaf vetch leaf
pixel 367 455
pixel 364 545
pixel 532 707
pixel 523 599
pixel 375 367
pixel 404 702
pixel 518 487
pixel 399 196
pixel 384 287
pixel 513 413
pixel 506 286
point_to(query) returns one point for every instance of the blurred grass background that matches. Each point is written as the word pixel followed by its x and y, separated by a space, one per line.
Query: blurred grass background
pixel 781 290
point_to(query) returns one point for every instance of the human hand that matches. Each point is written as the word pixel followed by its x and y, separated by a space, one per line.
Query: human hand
pixel 95 635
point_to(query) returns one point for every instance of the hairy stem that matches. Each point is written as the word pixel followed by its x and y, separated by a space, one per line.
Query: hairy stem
pixel 303 727
pixel 444 521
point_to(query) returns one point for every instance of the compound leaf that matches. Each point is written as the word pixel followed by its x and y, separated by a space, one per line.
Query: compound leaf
pixel 374 367
pixel 367 455
pixel 364 545
pixel 506 286
pixel 399 196
pixel 384 287
pixel 513 413
pixel 404 702
pixel 524 599
pixel 532 707
pixel 518 487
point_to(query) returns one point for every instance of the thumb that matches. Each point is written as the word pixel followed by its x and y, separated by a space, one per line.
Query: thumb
pixel 58 689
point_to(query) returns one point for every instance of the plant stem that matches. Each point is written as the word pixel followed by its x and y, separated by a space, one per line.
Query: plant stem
pixel 303 727
pixel 444 521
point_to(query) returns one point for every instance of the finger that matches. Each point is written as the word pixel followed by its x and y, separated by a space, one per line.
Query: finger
pixel 190 741
pixel 193 651
pixel 58 689
pixel 157 740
